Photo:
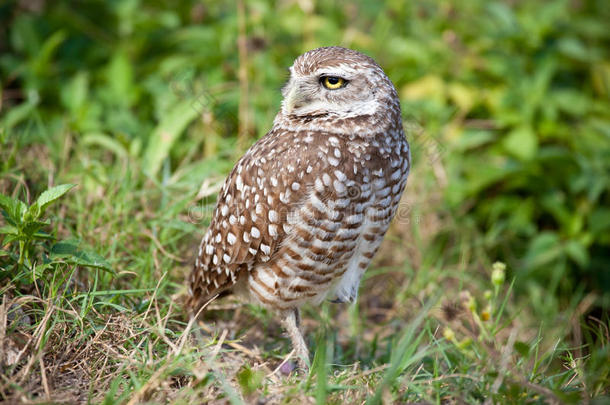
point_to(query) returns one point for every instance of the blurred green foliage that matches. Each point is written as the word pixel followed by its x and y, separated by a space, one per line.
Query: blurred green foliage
pixel 512 98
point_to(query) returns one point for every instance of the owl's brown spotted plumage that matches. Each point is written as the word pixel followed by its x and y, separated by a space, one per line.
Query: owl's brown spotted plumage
pixel 303 212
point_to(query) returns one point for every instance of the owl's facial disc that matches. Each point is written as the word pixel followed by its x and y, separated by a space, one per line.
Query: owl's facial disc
pixel 340 90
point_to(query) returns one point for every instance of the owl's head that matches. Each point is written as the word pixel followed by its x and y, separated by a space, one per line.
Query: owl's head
pixel 335 81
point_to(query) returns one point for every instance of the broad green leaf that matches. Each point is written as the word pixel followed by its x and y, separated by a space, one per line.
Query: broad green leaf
pixel 431 87
pixel 31 228
pixel 24 37
pixel 52 194
pixel 575 48
pixel 71 252
pixel 502 15
pixel 166 133
pixel 464 97
pixel 521 143
pixel 9 230
pixel 543 249
pixel 106 142
pixel 119 76
pixel 577 252
pixel 43 235
pixel 19 113
pixel 14 208
pixel 522 348
pixel 74 93
pixel 9 238
pixel 7 203
pixel 599 221
pixel 42 61
pixel 470 139
pixel 249 380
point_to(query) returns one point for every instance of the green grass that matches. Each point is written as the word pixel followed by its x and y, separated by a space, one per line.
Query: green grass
pixel 138 105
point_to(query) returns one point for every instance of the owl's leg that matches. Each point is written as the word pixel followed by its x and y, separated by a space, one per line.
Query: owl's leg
pixel 291 320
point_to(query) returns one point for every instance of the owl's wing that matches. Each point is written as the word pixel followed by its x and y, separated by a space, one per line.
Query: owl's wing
pixel 249 222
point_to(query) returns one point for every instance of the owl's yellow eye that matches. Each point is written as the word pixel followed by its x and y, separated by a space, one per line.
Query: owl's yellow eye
pixel 333 82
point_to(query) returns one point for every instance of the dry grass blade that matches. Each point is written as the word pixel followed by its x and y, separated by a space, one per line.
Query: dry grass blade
pixel 148 234
pixel 45 383
pixel 3 324
pixel 209 187
pixel 286 359
pixel 38 336
pixel 234 345
pixel 153 382
pixel 375 370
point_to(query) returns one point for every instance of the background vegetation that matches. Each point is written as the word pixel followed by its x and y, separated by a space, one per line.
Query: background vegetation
pixel 145 106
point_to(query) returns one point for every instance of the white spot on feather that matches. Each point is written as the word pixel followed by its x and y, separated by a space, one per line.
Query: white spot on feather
pixel 265 249
pixel 332 161
pixel 273 217
pixel 339 186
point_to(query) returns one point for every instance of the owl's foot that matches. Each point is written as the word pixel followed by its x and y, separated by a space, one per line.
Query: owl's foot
pixel 291 320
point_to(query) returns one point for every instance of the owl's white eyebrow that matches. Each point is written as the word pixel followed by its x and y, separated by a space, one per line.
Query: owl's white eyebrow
pixel 343 71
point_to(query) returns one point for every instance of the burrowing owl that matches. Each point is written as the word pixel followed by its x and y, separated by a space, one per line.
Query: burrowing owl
pixel 305 209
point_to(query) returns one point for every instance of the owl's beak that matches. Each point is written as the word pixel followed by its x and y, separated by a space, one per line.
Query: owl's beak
pixel 294 99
